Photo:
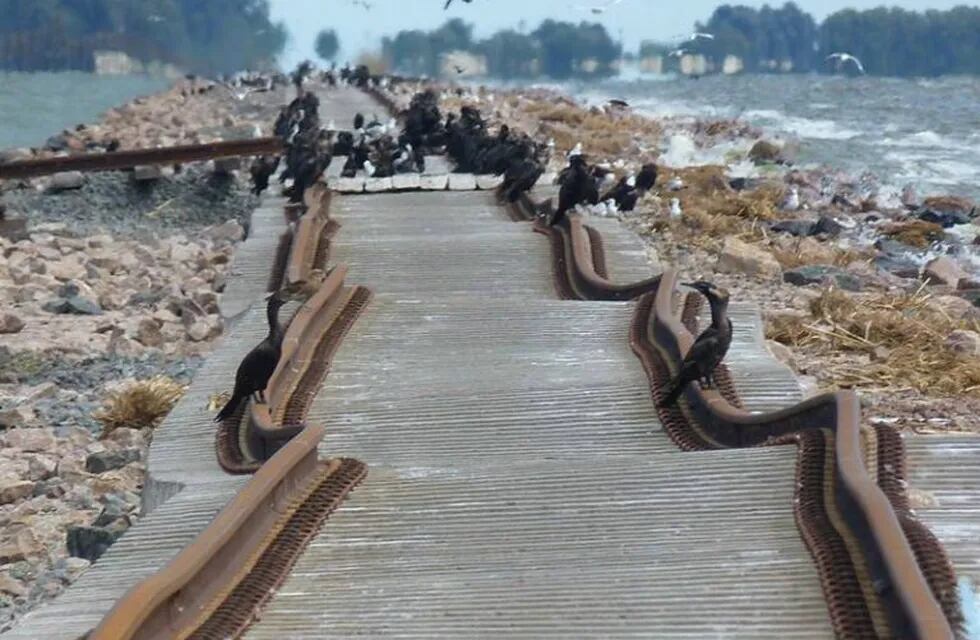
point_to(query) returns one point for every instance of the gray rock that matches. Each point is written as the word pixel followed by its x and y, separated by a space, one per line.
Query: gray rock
pixel 76 305
pixel 108 460
pixel 90 542
pixel 13 229
pixel 795 227
pixel 826 225
pixel 66 181
pixel 147 173
pixel 819 274
pixel 896 265
pixel 894 247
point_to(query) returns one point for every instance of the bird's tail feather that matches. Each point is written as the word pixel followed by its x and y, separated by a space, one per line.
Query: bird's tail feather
pixel 229 409
pixel 674 389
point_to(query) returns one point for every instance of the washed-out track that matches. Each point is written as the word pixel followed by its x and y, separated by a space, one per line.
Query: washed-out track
pixel 491 462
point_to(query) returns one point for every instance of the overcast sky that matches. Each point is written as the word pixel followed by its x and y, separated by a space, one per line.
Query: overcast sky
pixel 631 20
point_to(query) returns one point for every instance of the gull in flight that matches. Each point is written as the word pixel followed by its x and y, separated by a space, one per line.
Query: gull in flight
pixel 600 9
pixel 842 57
pixel 449 2
pixel 699 35
pixel 677 53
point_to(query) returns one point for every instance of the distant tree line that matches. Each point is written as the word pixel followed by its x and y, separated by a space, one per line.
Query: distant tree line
pixel 204 36
pixel 892 42
pixel 556 49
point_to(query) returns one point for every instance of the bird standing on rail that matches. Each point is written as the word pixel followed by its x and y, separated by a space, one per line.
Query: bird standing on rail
pixel 257 367
pixel 578 186
pixel 709 348
pixel 262 169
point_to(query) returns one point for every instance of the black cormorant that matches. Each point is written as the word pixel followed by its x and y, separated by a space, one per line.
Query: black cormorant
pixel 708 350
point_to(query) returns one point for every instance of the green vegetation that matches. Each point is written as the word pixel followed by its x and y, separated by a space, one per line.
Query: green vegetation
pixel 892 42
pixel 327 44
pixel 212 36
pixel 556 49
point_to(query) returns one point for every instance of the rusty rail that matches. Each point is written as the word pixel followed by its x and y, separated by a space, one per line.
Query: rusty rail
pixel 129 158
pixel 181 597
pixel 579 269
pixel 900 601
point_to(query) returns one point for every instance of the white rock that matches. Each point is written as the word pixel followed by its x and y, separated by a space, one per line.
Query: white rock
pixel 739 257
pixel 66 180
pixel 31 440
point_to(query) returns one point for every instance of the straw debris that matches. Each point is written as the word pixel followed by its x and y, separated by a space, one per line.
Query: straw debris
pixel 903 337
pixel 139 404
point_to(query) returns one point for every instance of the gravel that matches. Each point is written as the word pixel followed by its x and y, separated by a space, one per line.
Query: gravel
pixel 111 201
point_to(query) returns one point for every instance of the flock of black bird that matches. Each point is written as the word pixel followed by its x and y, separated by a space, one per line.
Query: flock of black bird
pixel 381 151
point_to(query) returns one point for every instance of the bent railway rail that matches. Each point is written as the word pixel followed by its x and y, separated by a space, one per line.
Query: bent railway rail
pixel 388 563
pixel 129 158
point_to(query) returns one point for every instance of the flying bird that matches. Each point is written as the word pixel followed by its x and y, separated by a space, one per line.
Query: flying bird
pixel 449 2
pixel 842 57
pixel 677 53
pixel 599 10
pixel 458 68
pixel 622 104
pixel 697 35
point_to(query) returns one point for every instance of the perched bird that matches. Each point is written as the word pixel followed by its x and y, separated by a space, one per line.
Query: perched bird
pixel 675 209
pixel 709 348
pixel 358 121
pixel 257 367
pixel 647 177
pixel 842 57
pixel 520 177
pixel 262 169
pixel 792 201
pixel 578 187
pixel 675 184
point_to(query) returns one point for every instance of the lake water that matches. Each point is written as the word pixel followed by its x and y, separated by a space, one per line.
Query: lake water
pixel 35 106
pixel 924 132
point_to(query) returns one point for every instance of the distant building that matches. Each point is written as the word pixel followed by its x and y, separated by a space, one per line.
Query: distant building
pixel 732 65
pixel 117 63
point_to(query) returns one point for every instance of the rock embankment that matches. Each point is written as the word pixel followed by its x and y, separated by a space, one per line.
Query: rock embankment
pixel 111 286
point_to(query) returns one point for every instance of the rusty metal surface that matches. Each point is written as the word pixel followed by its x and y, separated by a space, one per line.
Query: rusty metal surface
pixel 129 158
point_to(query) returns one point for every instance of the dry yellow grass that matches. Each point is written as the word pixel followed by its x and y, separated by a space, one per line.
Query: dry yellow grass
pixel 904 337
pixel 139 404
pixel 600 133
pixel 916 233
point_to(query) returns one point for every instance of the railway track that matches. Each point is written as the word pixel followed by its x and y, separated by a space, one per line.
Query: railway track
pixel 499 381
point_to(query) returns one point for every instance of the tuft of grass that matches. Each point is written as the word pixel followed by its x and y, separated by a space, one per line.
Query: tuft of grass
pixel 916 233
pixel 139 404
pixel 903 335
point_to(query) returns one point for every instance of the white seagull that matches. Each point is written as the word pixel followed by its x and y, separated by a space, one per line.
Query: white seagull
pixel 697 35
pixel 675 184
pixel 677 53
pixel 675 208
pixel 842 57
pixel 792 201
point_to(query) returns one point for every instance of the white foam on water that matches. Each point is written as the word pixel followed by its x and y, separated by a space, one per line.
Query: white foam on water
pixel 683 151
pixel 816 129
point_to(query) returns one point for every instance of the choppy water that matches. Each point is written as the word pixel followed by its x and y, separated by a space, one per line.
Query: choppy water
pixel 926 132
pixel 34 106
